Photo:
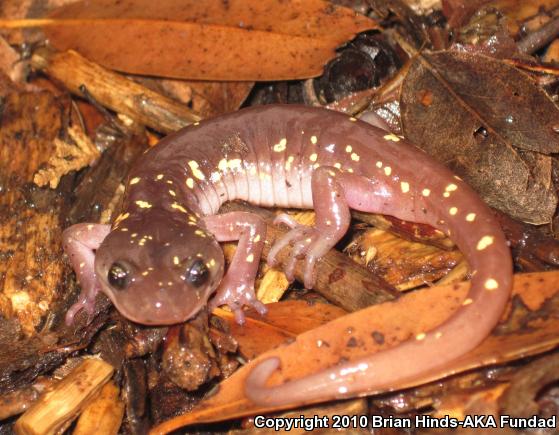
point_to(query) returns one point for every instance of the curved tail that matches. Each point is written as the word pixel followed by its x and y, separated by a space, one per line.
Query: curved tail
pixel 472 226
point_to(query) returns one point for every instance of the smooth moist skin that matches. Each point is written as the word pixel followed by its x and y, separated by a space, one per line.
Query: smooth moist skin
pixel 161 261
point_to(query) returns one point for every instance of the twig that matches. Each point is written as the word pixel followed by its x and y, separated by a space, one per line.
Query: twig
pixel 540 38
pixel 113 90
pixel 339 279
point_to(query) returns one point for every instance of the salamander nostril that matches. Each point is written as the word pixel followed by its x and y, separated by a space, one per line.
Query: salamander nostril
pixel 118 276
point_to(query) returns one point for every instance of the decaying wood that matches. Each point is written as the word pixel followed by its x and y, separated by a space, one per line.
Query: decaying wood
pixel 69 155
pixel 338 278
pixel 408 230
pixel 189 359
pixel 54 410
pixel 402 263
pixel 103 415
pixel 114 91
pixel 31 266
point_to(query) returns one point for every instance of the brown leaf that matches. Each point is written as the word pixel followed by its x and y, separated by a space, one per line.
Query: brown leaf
pixel 210 40
pixel 475 113
pixel 532 330
pixel 283 322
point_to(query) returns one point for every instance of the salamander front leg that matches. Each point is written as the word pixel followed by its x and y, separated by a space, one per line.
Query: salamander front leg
pixel 332 221
pixel 237 287
pixel 79 242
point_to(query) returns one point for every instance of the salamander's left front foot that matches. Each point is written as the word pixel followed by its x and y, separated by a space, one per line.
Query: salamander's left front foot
pixel 236 292
pixel 237 286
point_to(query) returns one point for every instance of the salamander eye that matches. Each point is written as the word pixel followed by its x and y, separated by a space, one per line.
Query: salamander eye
pixel 118 276
pixel 197 273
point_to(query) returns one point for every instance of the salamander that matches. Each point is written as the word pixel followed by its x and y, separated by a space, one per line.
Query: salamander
pixel 160 261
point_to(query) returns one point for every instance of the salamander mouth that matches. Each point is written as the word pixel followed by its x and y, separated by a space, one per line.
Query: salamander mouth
pixel 156 308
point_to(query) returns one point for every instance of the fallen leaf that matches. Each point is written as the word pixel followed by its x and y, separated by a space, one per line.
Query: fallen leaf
pixel 279 325
pixel 211 40
pixel 490 123
pixel 531 332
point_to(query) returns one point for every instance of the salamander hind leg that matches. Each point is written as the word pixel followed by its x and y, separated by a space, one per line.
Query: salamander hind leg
pixel 332 222
pixel 237 286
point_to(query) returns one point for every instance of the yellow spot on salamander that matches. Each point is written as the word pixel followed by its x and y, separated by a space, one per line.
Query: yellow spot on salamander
pixel 314 140
pixel 452 211
pixel 355 157
pixel 470 217
pixel 135 180
pixel 194 167
pixel 234 164
pixel 484 242
pixel 405 186
pixel 392 137
pixel 387 170
pixel 172 193
pixel 379 165
pixel 256 238
pixel 446 194
pixel 420 336
pixel 200 233
pixel 159 177
pixel 179 207
pixel 196 123
pixel 348 149
pixel 289 162
pixel 143 204
pixel 280 146
pixel 124 229
pixel 337 165
pixel 438 335
pixel 451 187
pixel 352 119
pixel 145 273
pixel 176 260
pixel 250 258
pixel 468 301
pixel 313 157
pixel 190 182
pixel 222 165
pixel 491 284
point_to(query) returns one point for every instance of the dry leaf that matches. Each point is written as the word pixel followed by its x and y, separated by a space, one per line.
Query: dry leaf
pixel 211 40
pixel 283 322
pixel 530 332
pixel 488 122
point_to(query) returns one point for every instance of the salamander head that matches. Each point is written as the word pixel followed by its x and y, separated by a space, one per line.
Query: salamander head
pixel 159 268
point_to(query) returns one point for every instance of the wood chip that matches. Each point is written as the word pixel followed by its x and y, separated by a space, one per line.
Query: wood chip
pixel 55 409
pixel 103 415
